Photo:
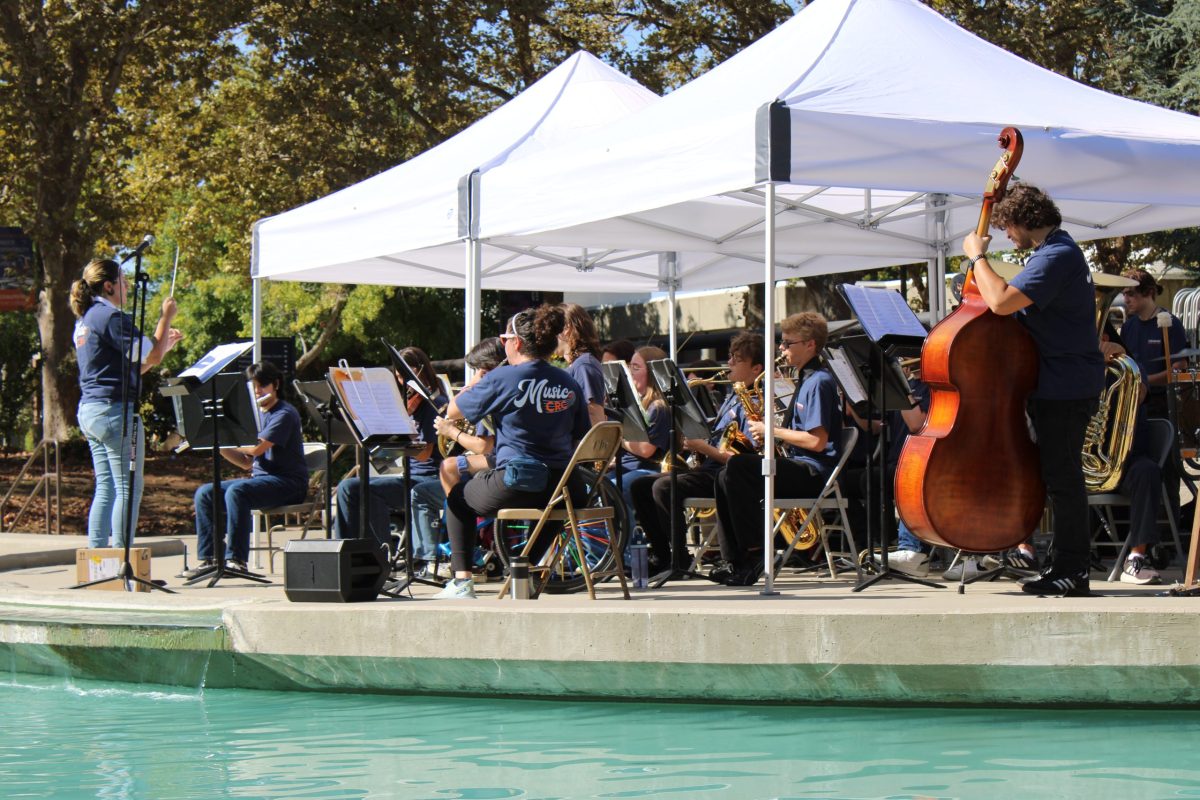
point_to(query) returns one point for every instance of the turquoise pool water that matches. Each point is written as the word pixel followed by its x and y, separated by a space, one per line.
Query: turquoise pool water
pixel 85 740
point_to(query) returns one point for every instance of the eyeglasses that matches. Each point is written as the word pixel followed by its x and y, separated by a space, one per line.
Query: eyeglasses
pixel 786 343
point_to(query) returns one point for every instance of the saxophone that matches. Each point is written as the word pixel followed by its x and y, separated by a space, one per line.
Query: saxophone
pixel 1110 431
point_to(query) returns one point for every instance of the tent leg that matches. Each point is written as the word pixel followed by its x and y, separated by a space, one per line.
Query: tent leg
pixel 768 402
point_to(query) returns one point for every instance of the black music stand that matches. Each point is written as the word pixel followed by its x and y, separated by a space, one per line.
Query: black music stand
pixel 215 409
pixel 371 403
pixel 410 381
pixel 687 420
pixel 320 403
pixel 623 401
pixel 891 331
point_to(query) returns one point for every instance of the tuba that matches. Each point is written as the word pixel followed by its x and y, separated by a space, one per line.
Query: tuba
pixel 1110 431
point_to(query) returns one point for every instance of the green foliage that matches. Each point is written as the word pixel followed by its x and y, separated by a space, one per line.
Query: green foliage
pixel 18 346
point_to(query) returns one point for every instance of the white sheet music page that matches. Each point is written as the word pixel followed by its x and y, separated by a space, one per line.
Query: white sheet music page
pixel 372 398
pixel 845 375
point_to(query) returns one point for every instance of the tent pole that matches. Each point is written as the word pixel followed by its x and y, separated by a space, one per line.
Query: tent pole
pixel 768 402
pixel 939 202
pixel 672 281
pixel 256 316
pixel 474 301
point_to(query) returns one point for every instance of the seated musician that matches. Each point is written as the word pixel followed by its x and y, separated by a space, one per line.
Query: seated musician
pixel 642 459
pixel 812 435
pixel 429 496
pixel 540 416
pixel 278 475
pixel 912 555
pixel 387 491
pixel 579 346
pixel 618 350
pixel 1141 482
pixel 651 494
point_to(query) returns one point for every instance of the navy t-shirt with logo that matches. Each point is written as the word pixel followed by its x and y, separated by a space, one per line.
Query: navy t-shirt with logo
pixel 419 470
pixel 815 405
pixel 1062 320
pixel 537 409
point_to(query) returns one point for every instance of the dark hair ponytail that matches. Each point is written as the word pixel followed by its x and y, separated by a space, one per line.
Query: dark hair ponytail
pixel 91 286
pixel 538 329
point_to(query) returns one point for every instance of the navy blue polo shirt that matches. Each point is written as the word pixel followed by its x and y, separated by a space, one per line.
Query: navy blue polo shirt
pixel 1062 320
pixel 538 411
pixel 102 337
pixel 731 410
pixel 815 405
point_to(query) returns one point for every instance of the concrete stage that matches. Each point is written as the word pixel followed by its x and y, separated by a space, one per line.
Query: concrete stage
pixel 895 643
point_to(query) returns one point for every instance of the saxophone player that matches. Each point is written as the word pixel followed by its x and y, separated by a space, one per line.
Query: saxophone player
pixel 651 495
pixel 812 431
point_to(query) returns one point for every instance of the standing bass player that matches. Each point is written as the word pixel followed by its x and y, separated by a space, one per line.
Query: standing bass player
pixel 1053 297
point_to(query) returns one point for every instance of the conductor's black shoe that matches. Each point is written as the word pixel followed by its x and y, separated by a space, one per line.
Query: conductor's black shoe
pixel 1065 583
pixel 207 565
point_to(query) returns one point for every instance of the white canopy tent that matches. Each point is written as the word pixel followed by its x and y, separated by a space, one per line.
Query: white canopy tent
pixel 858 133
pixel 407 226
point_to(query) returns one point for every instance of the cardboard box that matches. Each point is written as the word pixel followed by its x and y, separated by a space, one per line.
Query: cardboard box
pixel 105 562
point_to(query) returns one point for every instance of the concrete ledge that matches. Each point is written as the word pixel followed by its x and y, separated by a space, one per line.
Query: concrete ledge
pixel 66 555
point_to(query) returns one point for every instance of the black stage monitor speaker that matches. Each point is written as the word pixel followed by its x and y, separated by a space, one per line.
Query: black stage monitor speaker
pixel 333 570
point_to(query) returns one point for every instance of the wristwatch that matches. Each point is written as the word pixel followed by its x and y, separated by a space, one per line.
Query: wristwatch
pixel 971 263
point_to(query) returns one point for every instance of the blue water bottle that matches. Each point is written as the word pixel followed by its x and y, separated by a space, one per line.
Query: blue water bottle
pixel 640 560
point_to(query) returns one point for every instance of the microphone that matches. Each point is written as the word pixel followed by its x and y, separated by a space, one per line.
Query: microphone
pixel 141 248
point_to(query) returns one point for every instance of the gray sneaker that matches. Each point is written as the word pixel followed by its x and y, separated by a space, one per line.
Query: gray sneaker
pixel 910 562
pixel 967 565
pixel 1138 570
pixel 456 589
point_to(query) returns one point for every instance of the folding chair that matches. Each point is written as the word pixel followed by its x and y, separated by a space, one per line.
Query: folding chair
pixel 828 499
pixel 599 445
pixel 702 531
pixel 311 511
pixel 1161 439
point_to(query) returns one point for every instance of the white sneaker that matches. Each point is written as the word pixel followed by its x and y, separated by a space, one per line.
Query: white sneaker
pixel 910 562
pixel 456 589
pixel 966 568
pixel 1138 570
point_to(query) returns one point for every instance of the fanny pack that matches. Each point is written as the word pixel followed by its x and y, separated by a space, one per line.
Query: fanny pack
pixel 526 475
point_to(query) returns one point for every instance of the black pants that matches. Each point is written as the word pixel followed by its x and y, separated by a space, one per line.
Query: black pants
pixel 740 501
pixel 1061 426
pixel 864 518
pixel 652 505
pixel 1141 482
pixel 483 496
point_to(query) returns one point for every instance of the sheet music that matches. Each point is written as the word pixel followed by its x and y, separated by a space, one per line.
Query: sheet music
pixel 847 378
pixel 215 360
pixel 372 398
pixel 883 312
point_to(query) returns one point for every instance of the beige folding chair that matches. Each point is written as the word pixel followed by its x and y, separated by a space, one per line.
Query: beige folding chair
pixel 310 512
pixel 599 445
pixel 828 499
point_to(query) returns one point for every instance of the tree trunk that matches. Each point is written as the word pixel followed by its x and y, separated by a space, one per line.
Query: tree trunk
pixel 1113 254
pixel 60 377
pixel 753 303
pixel 313 354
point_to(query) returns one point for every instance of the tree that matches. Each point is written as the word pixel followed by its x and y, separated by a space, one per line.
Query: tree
pixel 77 77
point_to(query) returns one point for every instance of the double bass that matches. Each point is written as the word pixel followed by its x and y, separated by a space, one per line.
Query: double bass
pixel 970 479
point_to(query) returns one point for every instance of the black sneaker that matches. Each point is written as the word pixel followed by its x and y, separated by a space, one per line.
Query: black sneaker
pixel 721 572
pixel 1019 559
pixel 1065 583
pixel 205 566
pixel 746 575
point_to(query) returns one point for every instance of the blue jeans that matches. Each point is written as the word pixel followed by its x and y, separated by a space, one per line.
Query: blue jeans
pixel 428 498
pixel 908 541
pixel 241 497
pixel 387 495
pixel 101 425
